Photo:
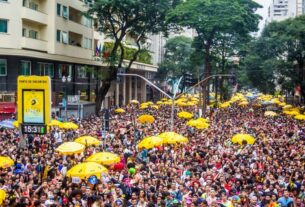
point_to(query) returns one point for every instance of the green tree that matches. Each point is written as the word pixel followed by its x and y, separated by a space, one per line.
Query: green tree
pixel 277 56
pixel 213 19
pixel 177 59
pixel 118 18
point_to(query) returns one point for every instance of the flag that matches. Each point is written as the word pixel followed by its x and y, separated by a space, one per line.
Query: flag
pixel 99 50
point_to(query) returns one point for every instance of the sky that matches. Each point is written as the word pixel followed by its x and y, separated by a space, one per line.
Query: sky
pixel 263 11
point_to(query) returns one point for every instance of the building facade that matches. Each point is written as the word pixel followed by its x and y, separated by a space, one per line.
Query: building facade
pixel 52 37
pixel 280 10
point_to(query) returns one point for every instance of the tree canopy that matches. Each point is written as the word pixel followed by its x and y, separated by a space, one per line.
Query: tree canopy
pixel 277 56
pixel 118 18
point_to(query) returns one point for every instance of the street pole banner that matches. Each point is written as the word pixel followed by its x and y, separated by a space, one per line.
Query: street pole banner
pixel 34 103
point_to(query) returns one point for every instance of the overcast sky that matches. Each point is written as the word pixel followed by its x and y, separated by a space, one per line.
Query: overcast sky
pixel 263 11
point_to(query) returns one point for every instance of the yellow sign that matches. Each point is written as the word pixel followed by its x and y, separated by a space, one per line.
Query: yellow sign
pixel 34 100
pixel 33 106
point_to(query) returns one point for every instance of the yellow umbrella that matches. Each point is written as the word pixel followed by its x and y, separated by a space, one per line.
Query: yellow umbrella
pixel 104 158
pixel 2 196
pixel 68 125
pixel 159 102
pixel 146 118
pixel 150 142
pixel 291 113
pixel 224 105
pixel 119 111
pixel 155 107
pixel 144 106
pixel 54 122
pixel 70 148
pixel 86 169
pixel 270 113
pixel 134 102
pixel 16 124
pixel 300 117
pixel 87 141
pixel 6 162
pixel 287 106
pixel 243 103
pixel 198 124
pixel 185 115
pixel 172 138
pixel 240 138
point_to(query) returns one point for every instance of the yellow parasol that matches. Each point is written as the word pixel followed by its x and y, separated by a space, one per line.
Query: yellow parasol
pixel 6 162
pixel 150 142
pixel 154 106
pixel 243 103
pixel 16 124
pixel 172 138
pixel 146 118
pixel 134 102
pixel 270 113
pixel 87 141
pixel 2 196
pixel 68 125
pixel 87 169
pixel 185 115
pixel 119 111
pixel 200 123
pixel 104 158
pixel 300 117
pixel 224 105
pixel 240 138
pixel 70 148
pixel 55 122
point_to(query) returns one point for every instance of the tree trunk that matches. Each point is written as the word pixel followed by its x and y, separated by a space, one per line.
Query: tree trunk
pixel 101 93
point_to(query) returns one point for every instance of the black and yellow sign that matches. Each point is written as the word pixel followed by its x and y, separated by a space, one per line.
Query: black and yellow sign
pixel 34 103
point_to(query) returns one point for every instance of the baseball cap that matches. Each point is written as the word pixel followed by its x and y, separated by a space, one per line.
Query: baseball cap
pixel 119 202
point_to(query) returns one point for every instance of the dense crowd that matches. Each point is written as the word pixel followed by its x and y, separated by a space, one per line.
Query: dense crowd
pixel 207 171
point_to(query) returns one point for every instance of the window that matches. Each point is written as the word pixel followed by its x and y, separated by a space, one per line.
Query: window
pixel 65 37
pixel 64 70
pixel 58 9
pixel 23 32
pixel 3 67
pixel 87 43
pixel 25 68
pixel 58 36
pixel 65 12
pixel 46 69
pixel 88 21
pixel 33 5
pixel 33 34
pixel 3 25
pixel 81 72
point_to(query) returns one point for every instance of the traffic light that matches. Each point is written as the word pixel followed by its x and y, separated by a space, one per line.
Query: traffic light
pixel 188 79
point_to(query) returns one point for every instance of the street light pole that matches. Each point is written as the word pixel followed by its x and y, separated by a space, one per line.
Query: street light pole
pixel 202 81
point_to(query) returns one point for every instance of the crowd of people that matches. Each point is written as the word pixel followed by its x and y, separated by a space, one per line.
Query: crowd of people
pixel 207 171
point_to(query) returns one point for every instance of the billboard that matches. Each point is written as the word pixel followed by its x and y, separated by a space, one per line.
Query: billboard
pixel 34 103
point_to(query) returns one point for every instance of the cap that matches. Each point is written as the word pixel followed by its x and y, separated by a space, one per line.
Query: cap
pixel 119 202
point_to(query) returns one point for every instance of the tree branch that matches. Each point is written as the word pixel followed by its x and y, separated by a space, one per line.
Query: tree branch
pixel 137 52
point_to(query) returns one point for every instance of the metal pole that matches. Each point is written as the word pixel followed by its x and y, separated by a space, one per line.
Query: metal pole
pixel 199 83
pixel 78 102
pixel 66 97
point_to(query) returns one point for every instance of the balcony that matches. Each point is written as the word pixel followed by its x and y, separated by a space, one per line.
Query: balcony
pixel 73 51
pixel 34 44
pixel 34 16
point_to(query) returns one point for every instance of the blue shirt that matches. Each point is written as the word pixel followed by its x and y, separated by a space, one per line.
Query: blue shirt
pixel 285 202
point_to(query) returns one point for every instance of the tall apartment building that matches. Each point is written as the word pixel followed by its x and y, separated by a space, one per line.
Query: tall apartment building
pixel 283 9
pixel 52 37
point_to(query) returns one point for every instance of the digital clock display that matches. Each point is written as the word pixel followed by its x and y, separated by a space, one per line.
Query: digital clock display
pixel 33 129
